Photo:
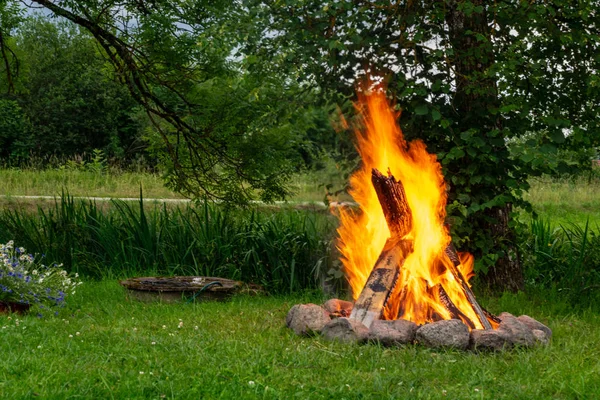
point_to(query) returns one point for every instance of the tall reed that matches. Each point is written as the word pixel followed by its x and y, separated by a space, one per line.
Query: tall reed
pixel 285 250
pixel 565 258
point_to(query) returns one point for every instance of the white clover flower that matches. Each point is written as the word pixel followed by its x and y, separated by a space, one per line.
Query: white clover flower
pixel 34 272
pixel 251 383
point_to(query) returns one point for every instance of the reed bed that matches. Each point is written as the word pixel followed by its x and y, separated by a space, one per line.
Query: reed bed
pixel 284 250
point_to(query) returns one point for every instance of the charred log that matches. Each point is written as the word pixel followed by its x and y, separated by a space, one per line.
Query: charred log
pixel 381 282
pixel 449 305
pixel 384 276
pixel 490 316
pixel 393 201
pixel 453 267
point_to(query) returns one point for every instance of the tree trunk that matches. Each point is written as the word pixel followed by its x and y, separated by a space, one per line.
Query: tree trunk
pixel 475 97
pixel 507 274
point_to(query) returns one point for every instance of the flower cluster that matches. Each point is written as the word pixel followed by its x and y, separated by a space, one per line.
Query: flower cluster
pixel 25 280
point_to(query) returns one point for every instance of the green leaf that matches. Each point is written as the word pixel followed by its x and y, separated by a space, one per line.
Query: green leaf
pixel 445 123
pixel 527 157
pixel 421 109
pixel 557 136
pixel 435 114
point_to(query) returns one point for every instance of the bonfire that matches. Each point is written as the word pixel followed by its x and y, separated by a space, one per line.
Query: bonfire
pixel 408 282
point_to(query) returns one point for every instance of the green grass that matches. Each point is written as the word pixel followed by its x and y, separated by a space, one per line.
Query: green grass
pixel 52 182
pixel 106 346
pixel 565 201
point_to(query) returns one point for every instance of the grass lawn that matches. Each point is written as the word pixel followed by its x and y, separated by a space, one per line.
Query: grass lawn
pixel 51 182
pixel 566 201
pixel 106 346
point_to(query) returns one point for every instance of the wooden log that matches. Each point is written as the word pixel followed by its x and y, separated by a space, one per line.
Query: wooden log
pixel 384 276
pixel 381 282
pixel 491 316
pixel 449 305
pixel 453 256
pixel 392 198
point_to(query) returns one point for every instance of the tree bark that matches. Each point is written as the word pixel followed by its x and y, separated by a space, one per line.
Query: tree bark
pixel 475 97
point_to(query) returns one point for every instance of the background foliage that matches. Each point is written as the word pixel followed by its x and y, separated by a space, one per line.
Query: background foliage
pixel 229 99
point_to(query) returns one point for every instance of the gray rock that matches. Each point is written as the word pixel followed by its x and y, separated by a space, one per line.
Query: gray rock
pixel 533 324
pixel 345 330
pixel 447 333
pixel 392 333
pixel 541 337
pixel 493 340
pixel 307 319
pixel 339 308
pixel 517 332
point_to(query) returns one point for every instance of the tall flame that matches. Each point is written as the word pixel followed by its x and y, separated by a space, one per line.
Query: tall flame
pixel 363 235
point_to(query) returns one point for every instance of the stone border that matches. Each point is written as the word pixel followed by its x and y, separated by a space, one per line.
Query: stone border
pixel 331 322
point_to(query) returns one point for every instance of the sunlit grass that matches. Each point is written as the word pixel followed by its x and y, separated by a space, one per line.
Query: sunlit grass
pixel 51 182
pixel 567 200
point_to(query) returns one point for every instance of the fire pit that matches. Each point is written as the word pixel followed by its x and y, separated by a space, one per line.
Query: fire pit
pixel 408 281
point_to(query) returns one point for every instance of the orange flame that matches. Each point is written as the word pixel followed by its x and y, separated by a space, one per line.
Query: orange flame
pixel 363 235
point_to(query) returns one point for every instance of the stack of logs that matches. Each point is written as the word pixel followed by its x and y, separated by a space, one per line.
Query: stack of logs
pixel 384 276
pixel 361 321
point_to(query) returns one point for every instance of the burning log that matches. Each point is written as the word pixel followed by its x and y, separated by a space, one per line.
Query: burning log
pixel 455 313
pixel 381 282
pixel 453 267
pixel 385 273
pixel 392 198
pixel 384 276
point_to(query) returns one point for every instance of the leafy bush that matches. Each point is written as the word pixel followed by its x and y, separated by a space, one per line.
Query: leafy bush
pixel 285 250
pixel 25 280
